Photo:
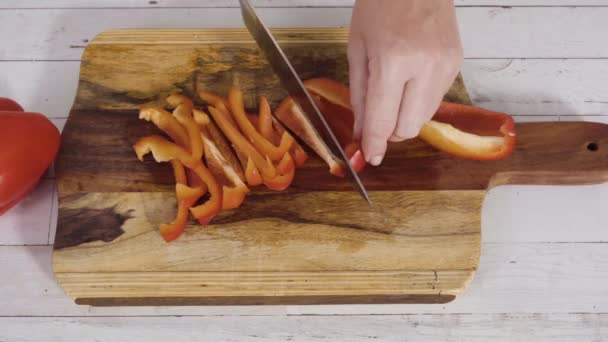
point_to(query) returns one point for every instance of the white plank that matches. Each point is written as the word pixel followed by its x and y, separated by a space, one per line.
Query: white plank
pixel 588 118
pixel 502 327
pixel 513 278
pixel 545 214
pixel 488 32
pixel 48 88
pixel 536 86
pixel 266 3
pixel 28 222
pixel 517 278
pixel 515 86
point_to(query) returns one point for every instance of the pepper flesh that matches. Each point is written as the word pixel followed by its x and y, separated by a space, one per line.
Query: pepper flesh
pixel 186 197
pixel 470 132
pixel 461 130
pixel 169 124
pixel 286 172
pixel 162 150
pixel 234 195
pixel 202 119
pixel 252 175
pixel 29 143
pixel 241 144
pixel 235 98
pixel 271 129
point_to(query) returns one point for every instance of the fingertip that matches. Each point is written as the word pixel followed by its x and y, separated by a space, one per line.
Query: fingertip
pixel 374 151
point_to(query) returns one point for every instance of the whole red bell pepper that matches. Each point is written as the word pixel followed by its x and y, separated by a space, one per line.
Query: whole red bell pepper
pixel 29 143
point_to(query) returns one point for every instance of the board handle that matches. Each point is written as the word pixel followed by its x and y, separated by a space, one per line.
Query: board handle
pixel 556 153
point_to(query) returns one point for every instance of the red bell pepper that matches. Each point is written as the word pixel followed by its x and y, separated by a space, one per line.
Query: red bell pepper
pixel 8 105
pixel 235 97
pixel 464 131
pixel 163 151
pixel 291 114
pixel 29 143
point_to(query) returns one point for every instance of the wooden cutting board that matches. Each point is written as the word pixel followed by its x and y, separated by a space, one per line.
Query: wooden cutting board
pixel 316 243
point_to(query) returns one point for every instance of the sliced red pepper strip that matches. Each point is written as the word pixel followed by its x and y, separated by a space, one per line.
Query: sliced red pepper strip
pixel 272 129
pixel 202 119
pixel 235 97
pixel 215 100
pixel 186 197
pixel 470 132
pixel 172 127
pixel 234 195
pixel 166 123
pixel 163 151
pixel 241 144
pixel 287 170
pixel 183 114
pixel 252 175
pixel 179 172
pixel 264 121
pixel 297 152
pixel 220 103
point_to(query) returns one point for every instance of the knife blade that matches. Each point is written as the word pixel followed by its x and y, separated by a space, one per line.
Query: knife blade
pixel 295 87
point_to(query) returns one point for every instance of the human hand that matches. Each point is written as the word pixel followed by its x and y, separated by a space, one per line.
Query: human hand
pixel 403 57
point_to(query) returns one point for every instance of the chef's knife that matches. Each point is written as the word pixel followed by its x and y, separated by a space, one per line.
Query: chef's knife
pixel 292 82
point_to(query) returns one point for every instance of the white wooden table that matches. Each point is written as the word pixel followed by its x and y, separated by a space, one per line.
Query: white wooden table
pixel 544 262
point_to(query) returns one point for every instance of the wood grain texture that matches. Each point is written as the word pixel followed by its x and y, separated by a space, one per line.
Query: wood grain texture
pixel 317 242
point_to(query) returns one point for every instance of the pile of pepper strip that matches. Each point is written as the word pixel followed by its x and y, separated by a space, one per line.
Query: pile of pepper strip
pixel 226 150
pixel 223 153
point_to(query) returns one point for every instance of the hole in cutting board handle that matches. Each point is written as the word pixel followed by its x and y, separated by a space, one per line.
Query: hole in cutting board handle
pixel 592 146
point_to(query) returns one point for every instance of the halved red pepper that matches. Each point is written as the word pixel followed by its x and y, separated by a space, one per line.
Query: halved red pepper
pixel 470 132
pixel 293 117
pixel 235 98
pixel 461 130
pixel 29 143
pixel 163 151
pixel 242 145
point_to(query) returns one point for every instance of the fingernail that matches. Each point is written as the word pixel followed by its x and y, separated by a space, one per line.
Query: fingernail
pixel 376 160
